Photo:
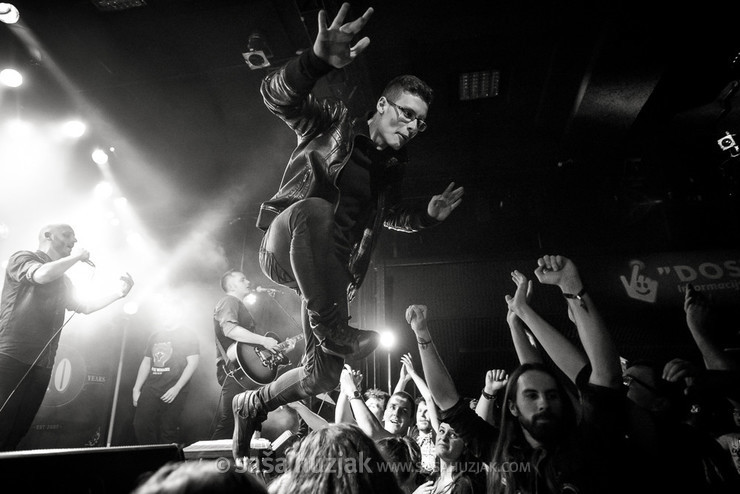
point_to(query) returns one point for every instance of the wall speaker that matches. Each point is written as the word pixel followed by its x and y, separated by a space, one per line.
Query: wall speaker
pixel 113 470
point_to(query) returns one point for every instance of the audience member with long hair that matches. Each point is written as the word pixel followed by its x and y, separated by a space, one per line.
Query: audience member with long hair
pixel 339 459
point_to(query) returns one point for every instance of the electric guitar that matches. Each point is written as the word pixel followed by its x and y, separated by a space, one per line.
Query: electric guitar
pixel 260 364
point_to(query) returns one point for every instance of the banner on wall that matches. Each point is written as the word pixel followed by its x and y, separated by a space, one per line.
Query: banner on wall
pixel 76 409
pixel 661 279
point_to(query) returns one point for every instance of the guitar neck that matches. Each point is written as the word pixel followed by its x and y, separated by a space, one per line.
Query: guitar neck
pixel 285 344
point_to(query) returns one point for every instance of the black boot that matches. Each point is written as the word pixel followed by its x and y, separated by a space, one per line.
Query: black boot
pixel 342 340
pixel 248 417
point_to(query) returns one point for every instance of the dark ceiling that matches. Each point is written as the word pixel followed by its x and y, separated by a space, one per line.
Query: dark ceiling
pixel 603 136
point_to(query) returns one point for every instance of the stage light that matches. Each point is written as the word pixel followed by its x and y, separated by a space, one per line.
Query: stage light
pixel 74 128
pixel 103 190
pixel 387 339
pixel 259 53
pixel 250 299
pixel 130 308
pixel 11 78
pixel 100 157
pixel 120 202
pixel 19 128
pixel 9 14
pixel 135 240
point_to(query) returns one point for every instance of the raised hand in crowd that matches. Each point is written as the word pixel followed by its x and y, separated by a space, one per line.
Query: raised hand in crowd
pixel 564 353
pixel 489 402
pixel 525 344
pixel 592 331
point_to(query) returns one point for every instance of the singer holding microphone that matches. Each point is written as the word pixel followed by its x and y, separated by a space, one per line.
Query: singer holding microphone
pixel 35 296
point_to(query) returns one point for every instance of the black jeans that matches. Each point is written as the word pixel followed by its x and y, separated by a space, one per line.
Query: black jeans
pixel 157 422
pixel 18 413
pixel 298 251
pixel 224 414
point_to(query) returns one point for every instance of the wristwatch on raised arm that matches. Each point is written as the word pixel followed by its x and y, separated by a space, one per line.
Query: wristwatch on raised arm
pixel 355 396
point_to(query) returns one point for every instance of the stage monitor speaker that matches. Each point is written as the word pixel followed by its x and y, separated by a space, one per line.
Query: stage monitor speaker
pixel 113 470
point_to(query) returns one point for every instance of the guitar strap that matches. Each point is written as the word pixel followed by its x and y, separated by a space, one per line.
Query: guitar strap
pixel 231 370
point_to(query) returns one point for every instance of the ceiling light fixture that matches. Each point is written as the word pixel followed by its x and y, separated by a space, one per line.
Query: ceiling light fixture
pixel 259 53
pixel 8 13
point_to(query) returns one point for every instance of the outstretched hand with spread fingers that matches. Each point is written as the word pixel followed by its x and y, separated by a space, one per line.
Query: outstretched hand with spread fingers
pixel 333 42
pixel 442 205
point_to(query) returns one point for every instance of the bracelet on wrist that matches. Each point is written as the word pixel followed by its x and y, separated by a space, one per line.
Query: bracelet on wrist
pixel 578 296
pixel 485 395
pixel 423 343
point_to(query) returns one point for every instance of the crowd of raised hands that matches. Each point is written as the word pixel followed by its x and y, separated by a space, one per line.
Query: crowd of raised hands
pixel 573 413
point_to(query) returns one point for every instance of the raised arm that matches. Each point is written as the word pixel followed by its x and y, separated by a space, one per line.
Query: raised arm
pixel 565 355
pixel 90 306
pixel 496 380
pixel 342 409
pixel 364 417
pixel 596 340
pixel 408 364
pixel 439 380
pixel 403 379
pixel 525 344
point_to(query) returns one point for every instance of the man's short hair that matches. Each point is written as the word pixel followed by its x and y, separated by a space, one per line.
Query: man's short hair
pixel 410 84
pixel 225 279
pixel 409 398
pixel 378 394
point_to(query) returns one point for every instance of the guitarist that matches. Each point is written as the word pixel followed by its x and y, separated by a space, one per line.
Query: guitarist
pixel 233 323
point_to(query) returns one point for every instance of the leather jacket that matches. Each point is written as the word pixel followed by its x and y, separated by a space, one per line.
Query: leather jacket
pixel 326 132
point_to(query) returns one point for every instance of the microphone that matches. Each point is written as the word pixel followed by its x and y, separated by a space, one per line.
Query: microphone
pixel 270 291
pixel 89 263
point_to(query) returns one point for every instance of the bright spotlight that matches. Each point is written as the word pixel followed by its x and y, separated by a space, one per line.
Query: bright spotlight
pixel 100 157
pixel 11 78
pixel 8 13
pixel 103 190
pixel 74 128
pixel 120 202
pixel 19 128
pixel 135 239
pixel 250 299
pixel 130 308
pixel 387 339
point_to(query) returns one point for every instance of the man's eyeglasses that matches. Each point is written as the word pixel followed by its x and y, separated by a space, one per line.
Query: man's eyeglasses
pixel 628 380
pixel 408 116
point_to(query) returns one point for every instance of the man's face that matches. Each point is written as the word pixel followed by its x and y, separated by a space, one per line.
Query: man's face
pixel 539 405
pixel 240 284
pixel 62 239
pixel 376 405
pixel 422 417
pixel 449 446
pixel 398 122
pixel 397 416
